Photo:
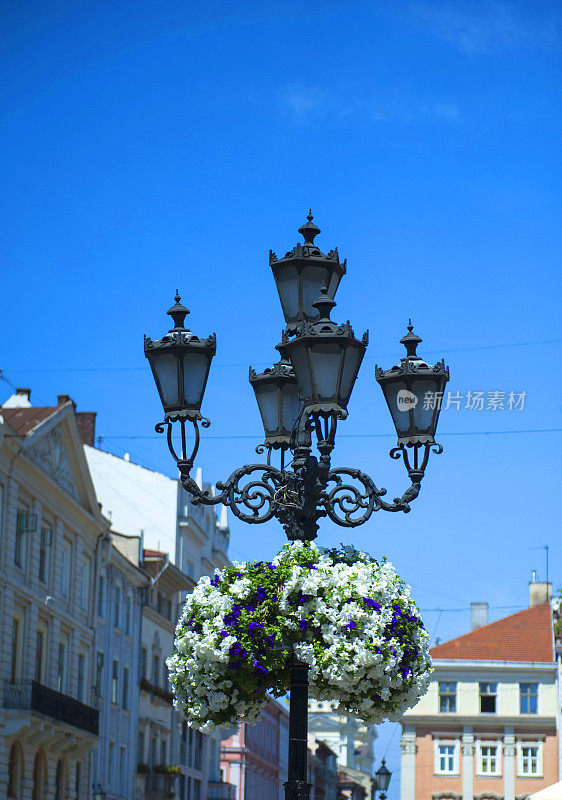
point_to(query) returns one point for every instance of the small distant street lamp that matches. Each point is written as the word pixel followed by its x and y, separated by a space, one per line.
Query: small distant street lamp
pixel 303 396
pixel 98 793
pixel 383 775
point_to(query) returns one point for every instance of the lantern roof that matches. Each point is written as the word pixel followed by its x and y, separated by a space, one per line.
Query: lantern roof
pixel 309 250
pixel 411 362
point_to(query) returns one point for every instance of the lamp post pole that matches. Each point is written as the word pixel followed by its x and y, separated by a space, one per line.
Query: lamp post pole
pixel 301 398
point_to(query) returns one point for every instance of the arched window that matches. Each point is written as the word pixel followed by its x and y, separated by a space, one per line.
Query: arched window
pixel 39 777
pixel 15 772
pixel 60 781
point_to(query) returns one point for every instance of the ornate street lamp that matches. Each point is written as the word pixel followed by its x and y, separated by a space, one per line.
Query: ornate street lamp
pixel 302 272
pixel 383 775
pixel 303 395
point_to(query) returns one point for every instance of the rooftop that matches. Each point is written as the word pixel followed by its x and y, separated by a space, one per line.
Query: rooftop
pixel 524 636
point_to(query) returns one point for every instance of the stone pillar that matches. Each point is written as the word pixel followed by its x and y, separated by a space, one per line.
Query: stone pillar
pixel 409 747
pixel 467 747
pixel 509 754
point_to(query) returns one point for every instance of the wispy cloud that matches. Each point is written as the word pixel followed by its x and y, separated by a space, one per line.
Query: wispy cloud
pixel 489 26
pixel 305 104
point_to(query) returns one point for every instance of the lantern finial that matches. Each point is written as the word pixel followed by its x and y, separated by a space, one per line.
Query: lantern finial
pixel 178 313
pixel 411 341
pixel 309 230
pixel 324 304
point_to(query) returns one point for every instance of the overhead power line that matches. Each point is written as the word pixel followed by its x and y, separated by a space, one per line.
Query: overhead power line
pixel 222 365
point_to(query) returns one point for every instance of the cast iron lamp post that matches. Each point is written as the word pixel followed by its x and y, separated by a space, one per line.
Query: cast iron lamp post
pixel 301 397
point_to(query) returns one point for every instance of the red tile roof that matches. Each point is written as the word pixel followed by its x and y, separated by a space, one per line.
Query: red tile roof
pixel 525 636
pixel 24 420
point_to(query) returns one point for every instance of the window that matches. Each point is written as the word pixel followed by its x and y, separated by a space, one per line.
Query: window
pixel 446 758
pixel 528 697
pixel 20 548
pixel 122 771
pixel 152 751
pixel 529 758
pixel 125 688
pixel 188 567
pixel 114 680
pixel 101 595
pixel 15 771
pixel 447 696
pixel 163 751
pixel 81 677
pixel 144 656
pixel 61 667
pixel 84 582
pixel 156 670
pixel 39 655
pixel 140 747
pixel 117 607
pixel 44 545
pixel 488 693
pixel 196 789
pixel 15 667
pixel 128 607
pixel 99 673
pixel 65 569
pixel 489 763
pixel 111 764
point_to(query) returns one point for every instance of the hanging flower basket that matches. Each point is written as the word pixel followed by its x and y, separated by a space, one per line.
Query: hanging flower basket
pixel 347 616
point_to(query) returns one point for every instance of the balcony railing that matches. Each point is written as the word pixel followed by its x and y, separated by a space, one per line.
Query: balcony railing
pixel 161 785
pixel 220 790
pixel 32 696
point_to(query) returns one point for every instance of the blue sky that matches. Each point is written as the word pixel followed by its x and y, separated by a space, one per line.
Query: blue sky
pixel 149 146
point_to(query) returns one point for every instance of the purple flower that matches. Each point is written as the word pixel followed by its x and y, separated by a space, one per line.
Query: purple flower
pixel 224 634
pixel 261 593
pixel 190 621
pixel 393 651
pixel 350 626
pixel 271 639
pixel 270 565
pixel 303 623
pixel 238 574
pixel 302 598
pixel 372 603
pixel 259 668
pixel 405 672
pixel 216 580
pixel 254 626
pixel 238 650
pixel 397 609
pixel 312 566
pixel 250 608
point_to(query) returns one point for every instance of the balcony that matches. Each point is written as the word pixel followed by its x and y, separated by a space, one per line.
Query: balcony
pixel 219 790
pixel 29 695
pixel 159 786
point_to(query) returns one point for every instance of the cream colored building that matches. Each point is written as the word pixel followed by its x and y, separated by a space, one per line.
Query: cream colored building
pixel 488 725
pixel 51 539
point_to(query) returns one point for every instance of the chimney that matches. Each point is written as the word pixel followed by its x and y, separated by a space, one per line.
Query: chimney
pixel 539 591
pixel 478 615
pixel 63 399
pixel 86 423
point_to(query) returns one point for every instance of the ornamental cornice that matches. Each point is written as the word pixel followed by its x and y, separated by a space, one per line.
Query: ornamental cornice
pixel 408 746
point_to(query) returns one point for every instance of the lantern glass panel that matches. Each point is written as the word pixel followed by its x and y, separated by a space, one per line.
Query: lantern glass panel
pixel 267 396
pixel 326 360
pixel 349 372
pixel 400 411
pixel 290 405
pixel 165 365
pixel 287 279
pixel 425 409
pixel 195 367
pixel 313 279
pixel 299 360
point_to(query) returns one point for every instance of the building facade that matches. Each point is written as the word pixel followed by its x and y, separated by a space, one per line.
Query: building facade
pixel 255 758
pixel 349 738
pixel 51 539
pixel 488 726
pixel 178 542
pixel 119 612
